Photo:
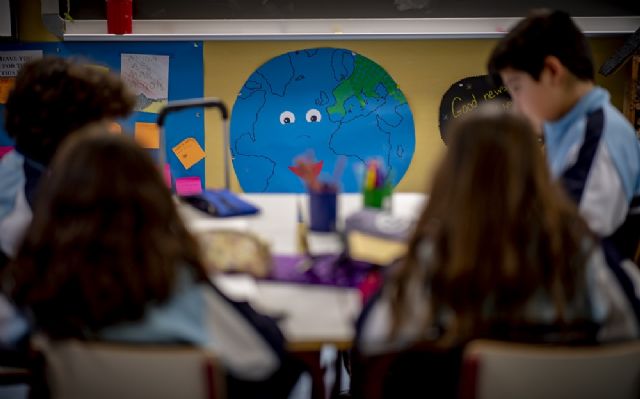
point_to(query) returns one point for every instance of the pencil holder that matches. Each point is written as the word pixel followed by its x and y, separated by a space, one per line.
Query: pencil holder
pixel 322 210
pixel 379 198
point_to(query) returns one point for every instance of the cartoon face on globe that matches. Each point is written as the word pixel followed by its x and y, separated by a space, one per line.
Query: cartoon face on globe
pixel 331 101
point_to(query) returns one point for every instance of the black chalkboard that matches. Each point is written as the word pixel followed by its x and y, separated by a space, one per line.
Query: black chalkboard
pixel 465 96
pixel 293 9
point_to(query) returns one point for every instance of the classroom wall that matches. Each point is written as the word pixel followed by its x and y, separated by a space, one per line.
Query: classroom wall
pixel 423 69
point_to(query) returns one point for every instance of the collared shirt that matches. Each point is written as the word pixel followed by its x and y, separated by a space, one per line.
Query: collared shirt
pixel 594 151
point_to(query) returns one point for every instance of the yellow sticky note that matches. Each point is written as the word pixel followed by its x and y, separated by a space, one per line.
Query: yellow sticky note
pixel 6 84
pixel 147 135
pixel 189 152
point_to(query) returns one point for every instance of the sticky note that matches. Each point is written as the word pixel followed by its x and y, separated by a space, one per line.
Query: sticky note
pixel 166 172
pixel 115 128
pixel 189 152
pixel 147 135
pixel 188 185
pixel 4 150
pixel 6 84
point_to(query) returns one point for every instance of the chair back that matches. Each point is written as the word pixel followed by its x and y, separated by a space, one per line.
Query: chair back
pixel 500 370
pixel 75 369
pixel 420 371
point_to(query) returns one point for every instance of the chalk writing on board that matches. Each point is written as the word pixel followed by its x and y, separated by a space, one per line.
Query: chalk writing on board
pixel 148 77
pixel 465 95
pixel 12 61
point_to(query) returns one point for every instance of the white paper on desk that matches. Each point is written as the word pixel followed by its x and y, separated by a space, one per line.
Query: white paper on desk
pixel 148 77
pixel 312 312
pixel 199 222
pixel 239 287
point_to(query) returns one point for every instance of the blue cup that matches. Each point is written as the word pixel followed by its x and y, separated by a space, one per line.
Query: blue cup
pixel 322 210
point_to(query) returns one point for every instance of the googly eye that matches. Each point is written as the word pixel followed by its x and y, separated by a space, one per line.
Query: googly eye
pixel 313 115
pixel 287 117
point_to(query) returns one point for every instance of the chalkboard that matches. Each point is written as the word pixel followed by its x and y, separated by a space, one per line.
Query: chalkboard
pixel 185 80
pixel 465 95
pixel 292 9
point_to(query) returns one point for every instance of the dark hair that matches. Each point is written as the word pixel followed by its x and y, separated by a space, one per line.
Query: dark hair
pixel 54 96
pixel 500 231
pixel 541 34
pixel 106 239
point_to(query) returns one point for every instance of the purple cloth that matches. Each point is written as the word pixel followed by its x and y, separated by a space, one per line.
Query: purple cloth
pixel 332 270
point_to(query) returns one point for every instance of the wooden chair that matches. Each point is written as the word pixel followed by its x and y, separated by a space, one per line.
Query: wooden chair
pixel 73 369
pixel 498 370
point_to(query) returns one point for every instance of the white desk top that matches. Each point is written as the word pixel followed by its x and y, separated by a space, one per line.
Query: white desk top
pixel 309 315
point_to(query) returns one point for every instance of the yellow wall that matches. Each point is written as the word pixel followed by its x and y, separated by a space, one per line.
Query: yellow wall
pixel 423 69
pixel 30 27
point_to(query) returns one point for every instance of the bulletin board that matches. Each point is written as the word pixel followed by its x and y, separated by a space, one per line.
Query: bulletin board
pixel 423 70
pixel 182 61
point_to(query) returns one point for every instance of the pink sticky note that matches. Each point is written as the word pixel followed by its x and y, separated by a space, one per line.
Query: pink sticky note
pixel 167 174
pixel 188 185
pixel 4 150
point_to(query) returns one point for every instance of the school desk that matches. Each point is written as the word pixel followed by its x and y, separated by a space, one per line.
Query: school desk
pixel 311 315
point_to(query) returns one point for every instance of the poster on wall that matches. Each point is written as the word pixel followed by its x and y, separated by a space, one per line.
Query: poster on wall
pixel 328 102
pixel 465 95
pixel 156 72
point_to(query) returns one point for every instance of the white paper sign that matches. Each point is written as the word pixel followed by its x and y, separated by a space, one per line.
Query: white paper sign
pixel 12 61
pixel 147 76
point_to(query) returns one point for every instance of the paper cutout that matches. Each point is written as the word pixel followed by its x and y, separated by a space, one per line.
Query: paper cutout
pixel 329 100
pixel 148 77
pixel 115 128
pixel 12 61
pixel 189 152
pixel 4 150
pixel 190 185
pixel 6 84
pixel 166 172
pixel 147 135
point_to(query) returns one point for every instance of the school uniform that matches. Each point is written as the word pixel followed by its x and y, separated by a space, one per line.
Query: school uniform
pixel 603 300
pixel 198 314
pixel 595 153
pixel 249 346
pixel 19 178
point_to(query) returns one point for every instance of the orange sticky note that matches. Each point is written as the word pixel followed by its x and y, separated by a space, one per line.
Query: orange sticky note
pixel 147 135
pixel 189 152
pixel 115 128
pixel 6 84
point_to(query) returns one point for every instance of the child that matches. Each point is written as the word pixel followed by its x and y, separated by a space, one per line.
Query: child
pixel 52 97
pixel 107 257
pixel 545 63
pixel 499 252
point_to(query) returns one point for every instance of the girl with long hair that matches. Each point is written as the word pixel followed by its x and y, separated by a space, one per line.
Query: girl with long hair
pixel 107 257
pixel 500 252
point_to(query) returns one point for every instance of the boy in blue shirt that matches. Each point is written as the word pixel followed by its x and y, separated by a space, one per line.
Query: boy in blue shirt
pixel 545 63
